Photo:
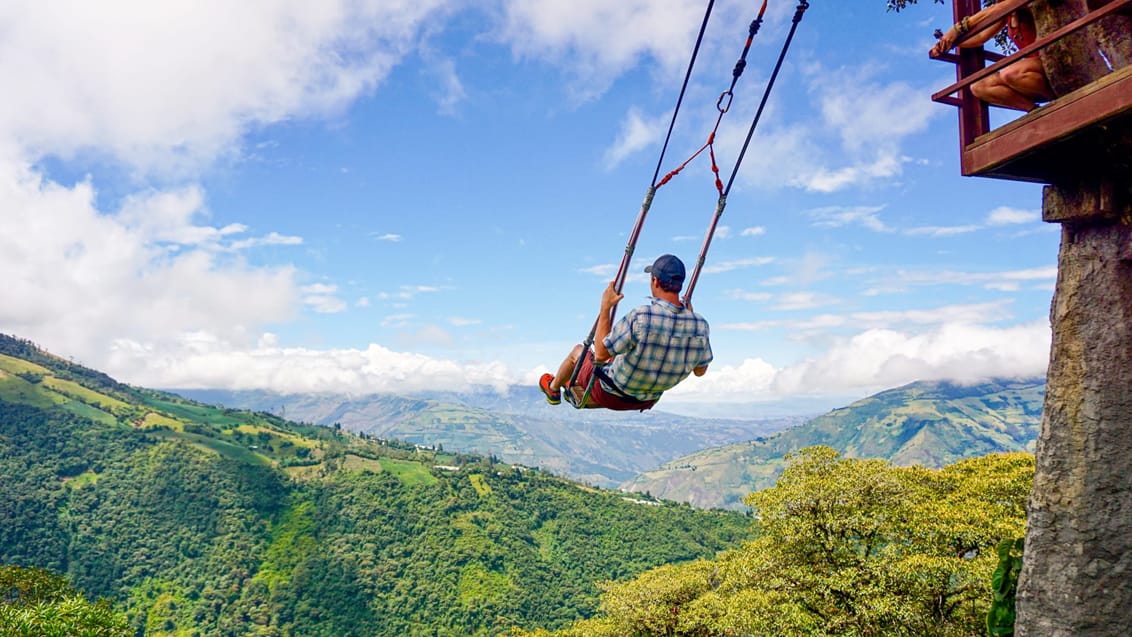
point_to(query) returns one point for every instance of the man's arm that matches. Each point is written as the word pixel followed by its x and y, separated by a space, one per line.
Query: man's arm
pixel 609 300
pixel 977 21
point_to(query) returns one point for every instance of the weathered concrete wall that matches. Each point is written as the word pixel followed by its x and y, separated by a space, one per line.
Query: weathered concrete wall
pixel 1077 573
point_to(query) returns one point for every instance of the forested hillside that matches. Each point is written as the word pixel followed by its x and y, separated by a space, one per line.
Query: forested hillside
pixel 199 521
pixel 926 423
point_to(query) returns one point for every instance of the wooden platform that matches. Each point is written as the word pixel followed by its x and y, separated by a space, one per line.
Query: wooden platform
pixel 1060 140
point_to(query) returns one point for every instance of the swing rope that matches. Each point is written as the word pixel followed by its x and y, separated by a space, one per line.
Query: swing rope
pixel 799 11
pixel 723 105
pixel 623 269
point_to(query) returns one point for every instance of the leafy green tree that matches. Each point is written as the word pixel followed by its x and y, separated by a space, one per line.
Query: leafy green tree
pixel 844 547
pixel 37 603
pixel 1004 585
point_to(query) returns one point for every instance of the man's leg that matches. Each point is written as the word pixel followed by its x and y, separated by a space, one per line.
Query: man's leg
pixel 566 369
pixel 1017 86
pixel 1026 76
pixel 993 90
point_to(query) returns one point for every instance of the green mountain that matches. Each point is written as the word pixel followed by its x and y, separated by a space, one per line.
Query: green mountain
pixel 926 423
pixel 204 521
pixel 594 446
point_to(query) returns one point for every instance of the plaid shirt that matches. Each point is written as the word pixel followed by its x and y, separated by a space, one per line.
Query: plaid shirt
pixel 655 347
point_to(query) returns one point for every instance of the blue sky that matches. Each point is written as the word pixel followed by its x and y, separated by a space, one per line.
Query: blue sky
pixel 405 194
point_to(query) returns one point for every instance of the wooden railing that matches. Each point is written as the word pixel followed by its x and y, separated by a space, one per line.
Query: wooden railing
pixel 1000 10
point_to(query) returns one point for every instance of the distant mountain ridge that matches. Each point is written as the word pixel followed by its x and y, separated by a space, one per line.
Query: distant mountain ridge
pixel 596 446
pixel 927 423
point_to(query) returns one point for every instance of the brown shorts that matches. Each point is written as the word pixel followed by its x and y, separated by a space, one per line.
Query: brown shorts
pixel 599 397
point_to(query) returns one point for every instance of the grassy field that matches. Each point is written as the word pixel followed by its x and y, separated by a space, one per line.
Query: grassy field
pixel 19 366
pixel 154 419
pixel 89 411
pixel 48 391
pixel 480 485
pixel 14 389
pixel 409 473
pixel 198 413
pixel 221 447
pixel 77 392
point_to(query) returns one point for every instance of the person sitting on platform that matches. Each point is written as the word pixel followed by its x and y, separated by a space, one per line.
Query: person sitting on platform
pixel 649 351
pixel 1020 85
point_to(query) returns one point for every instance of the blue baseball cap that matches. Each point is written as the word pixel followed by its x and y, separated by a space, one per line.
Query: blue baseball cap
pixel 667 269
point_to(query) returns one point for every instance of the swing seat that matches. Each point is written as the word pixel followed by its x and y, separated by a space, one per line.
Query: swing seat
pixel 596 394
pixel 576 401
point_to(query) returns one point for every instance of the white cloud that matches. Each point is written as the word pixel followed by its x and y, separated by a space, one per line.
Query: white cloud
pixel 749 381
pixel 825 179
pixel 602 39
pixel 449 89
pixel 880 358
pixel 744 295
pixel 955 351
pixel 325 304
pixel 460 321
pixel 840 216
pixel 990 280
pixel 856 138
pixel 162 91
pixel 319 288
pixel 271 239
pixel 603 270
pixel 209 362
pixel 389 236
pixel 1000 216
pixel 870 116
pixel 959 314
pixel 1005 215
pixel 403 319
pixel 942 231
pixel 965 314
pixel 322 298
pixel 428 335
pixel 636 133
pixel 736 264
pixel 407 292
pixel 753 231
pixel 77 279
pixel 172 85
pixel 804 301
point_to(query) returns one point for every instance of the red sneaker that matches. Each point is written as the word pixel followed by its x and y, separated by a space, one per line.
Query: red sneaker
pixel 552 397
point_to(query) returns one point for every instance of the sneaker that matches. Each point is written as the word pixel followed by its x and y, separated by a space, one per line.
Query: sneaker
pixel 552 397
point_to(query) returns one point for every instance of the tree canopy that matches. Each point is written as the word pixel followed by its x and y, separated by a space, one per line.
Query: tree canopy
pixel 844 547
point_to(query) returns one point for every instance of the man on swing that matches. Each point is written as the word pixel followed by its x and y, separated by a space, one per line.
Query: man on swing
pixel 649 351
